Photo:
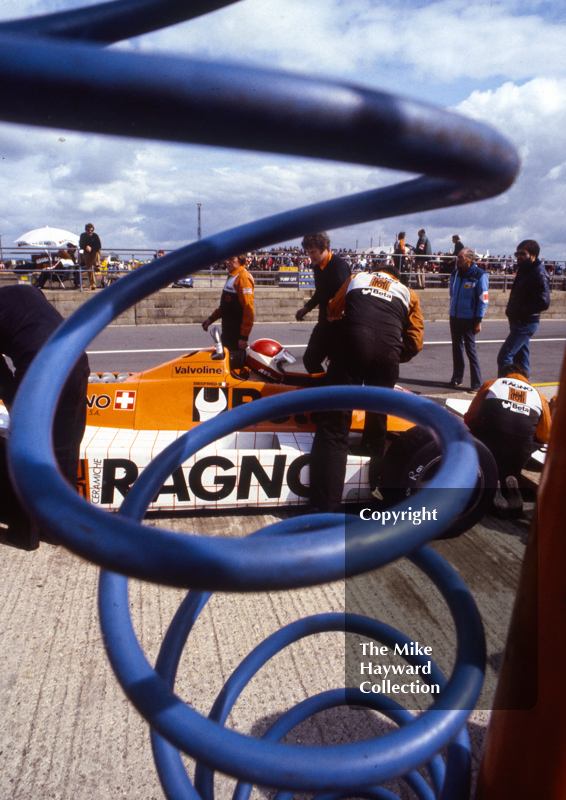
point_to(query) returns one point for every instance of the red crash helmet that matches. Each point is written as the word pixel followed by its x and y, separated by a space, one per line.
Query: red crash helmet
pixel 265 356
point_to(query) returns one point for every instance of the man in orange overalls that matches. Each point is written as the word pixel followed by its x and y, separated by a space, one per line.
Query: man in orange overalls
pixel 236 309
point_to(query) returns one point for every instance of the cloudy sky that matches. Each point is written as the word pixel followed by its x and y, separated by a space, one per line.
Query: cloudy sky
pixel 503 62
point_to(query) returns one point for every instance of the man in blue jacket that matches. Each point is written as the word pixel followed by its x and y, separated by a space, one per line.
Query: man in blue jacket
pixel 469 287
pixel 530 294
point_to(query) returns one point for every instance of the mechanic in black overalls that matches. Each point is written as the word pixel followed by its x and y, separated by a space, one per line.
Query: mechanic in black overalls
pixel 330 271
pixel 382 326
pixel 27 321
pixel 511 418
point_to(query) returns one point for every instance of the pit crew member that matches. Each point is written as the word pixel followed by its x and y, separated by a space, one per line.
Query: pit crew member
pixel 509 416
pixel 236 309
pixel 330 272
pixel 382 326
pixel 27 320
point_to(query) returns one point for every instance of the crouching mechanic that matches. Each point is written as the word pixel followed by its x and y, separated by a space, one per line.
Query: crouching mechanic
pixel 382 326
pixel 509 415
pixel 236 310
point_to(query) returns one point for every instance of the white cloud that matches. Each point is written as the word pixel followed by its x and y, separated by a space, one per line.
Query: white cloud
pixel 456 39
pixel 533 116
pixel 141 193
pixel 555 173
pixel 522 109
pixel 444 41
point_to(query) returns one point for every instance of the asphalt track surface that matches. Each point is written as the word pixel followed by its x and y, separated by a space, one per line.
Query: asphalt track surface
pixel 66 729
pixel 135 348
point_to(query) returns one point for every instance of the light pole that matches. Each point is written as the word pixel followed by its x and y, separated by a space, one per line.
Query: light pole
pixel 198 227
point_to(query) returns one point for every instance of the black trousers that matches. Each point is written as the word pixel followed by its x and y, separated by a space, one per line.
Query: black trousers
pixel 323 343
pixel 68 431
pixel 463 337
pixel 511 453
pixel 361 361
pixel 230 338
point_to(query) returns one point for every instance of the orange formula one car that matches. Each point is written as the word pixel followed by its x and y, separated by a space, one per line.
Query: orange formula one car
pixel 132 417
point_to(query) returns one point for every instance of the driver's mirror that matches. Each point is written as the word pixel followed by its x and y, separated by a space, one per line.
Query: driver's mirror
pixel 218 349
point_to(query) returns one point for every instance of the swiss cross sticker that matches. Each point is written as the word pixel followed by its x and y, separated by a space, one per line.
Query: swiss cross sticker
pixel 124 401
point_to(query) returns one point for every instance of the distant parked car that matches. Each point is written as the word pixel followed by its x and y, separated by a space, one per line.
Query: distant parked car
pixel 184 283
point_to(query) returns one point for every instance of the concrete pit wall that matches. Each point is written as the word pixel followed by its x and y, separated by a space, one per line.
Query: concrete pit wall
pixel 186 306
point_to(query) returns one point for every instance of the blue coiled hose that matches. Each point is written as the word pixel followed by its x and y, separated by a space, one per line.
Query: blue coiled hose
pixel 185 100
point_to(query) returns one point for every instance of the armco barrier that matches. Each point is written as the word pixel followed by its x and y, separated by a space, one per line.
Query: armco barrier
pixel 57 56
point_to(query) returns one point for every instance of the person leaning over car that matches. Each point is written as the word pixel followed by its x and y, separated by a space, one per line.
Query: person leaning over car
pixel 330 272
pixel 469 296
pixel 236 309
pixel 382 326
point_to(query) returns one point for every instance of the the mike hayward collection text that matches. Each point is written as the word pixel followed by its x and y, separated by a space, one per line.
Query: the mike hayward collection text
pixel 406 673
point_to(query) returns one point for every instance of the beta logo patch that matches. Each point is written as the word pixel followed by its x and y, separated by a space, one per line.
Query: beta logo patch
pixel 124 400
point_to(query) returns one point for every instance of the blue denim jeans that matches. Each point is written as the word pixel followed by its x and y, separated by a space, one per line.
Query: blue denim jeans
pixel 515 348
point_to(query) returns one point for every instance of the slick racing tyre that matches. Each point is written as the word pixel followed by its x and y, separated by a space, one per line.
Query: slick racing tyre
pixel 413 459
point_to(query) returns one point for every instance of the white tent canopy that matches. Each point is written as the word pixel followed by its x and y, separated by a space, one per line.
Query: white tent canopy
pixel 47 237
pixel 375 250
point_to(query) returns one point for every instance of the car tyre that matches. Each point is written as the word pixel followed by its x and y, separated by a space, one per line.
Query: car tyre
pixel 413 459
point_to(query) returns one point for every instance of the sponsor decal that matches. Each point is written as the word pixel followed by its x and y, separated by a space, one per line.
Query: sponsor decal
pixel 208 402
pixel 89 479
pixel 383 295
pixel 518 386
pixel 204 369
pixel 124 400
pixel 267 373
pixel 380 282
pixel 518 409
pixel 99 401
pixel 112 478
pixel 517 395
